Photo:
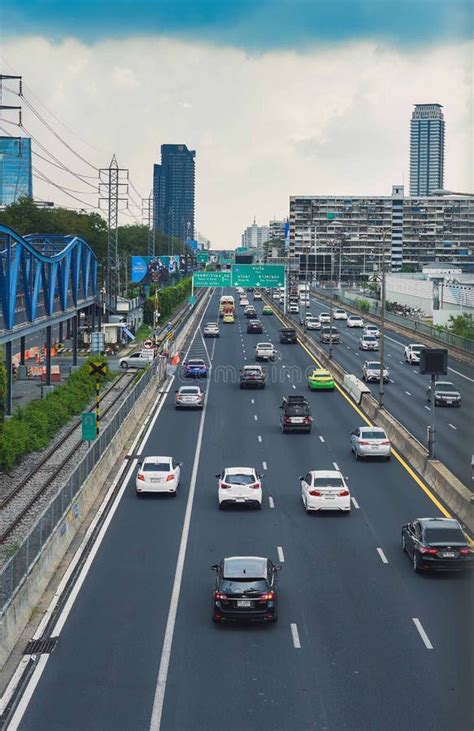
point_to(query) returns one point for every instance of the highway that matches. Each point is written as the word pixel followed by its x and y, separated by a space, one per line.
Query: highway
pixel 138 649
pixel 405 395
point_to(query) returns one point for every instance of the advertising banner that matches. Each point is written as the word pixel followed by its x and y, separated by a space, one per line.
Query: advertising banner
pixel 156 269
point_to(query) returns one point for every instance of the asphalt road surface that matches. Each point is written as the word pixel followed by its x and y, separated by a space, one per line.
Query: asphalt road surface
pixel 405 395
pixel 362 642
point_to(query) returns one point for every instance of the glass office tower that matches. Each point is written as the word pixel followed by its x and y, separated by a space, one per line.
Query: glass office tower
pixel 426 149
pixel 15 169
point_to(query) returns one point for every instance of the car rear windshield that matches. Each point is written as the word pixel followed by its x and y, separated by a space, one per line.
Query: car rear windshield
pixel 417 348
pixel 448 387
pixel 189 390
pixel 370 338
pixel 252 371
pixel 374 365
pixel 444 535
pixel 156 467
pixel 287 331
pixel 297 410
pixel 374 434
pixel 196 363
pixel 328 482
pixel 239 479
pixel 236 586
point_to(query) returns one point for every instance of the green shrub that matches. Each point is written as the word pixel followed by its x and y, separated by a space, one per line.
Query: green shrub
pixel 33 426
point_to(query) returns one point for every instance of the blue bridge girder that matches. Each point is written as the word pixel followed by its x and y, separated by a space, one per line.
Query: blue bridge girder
pixel 43 278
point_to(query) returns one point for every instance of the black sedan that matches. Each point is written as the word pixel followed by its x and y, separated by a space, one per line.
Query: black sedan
pixel 245 590
pixel 437 543
pixel 250 312
pixel 254 326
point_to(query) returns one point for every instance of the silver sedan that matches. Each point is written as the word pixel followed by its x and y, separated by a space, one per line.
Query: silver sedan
pixel 370 441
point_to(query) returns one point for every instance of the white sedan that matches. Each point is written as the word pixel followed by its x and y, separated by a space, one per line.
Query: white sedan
pixel 239 485
pixel 158 475
pixel 340 314
pixel 355 321
pixel 325 490
pixel 324 318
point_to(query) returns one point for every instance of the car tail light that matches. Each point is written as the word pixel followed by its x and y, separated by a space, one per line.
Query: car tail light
pixel 287 419
pixel 255 485
pixel 308 419
pixel 169 478
pixel 218 596
pixel 427 549
pixel 343 493
pixel 140 476
pixel 268 597
pixel 315 493
pixel 465 551
pixel 224 485
pixel 363 441
pixel 385 442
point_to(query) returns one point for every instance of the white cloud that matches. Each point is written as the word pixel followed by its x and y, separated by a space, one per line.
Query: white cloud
pixel 334 120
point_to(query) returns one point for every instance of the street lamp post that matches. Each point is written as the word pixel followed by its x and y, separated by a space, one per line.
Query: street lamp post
pixel 384 232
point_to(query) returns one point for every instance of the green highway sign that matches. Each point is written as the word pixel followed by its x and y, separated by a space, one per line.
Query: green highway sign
pixel 89 424
pixel 258 275
pixel 212 279
pixel 202 258
pixel 192 299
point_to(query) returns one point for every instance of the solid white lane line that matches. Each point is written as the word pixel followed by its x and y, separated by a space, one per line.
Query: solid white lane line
pixel 354 502
pixel 427 408
pixel 259 438
pixel 382 555
pixel 15 679
pixel 271 502
pixel 295 636
pixel 26 697
pixel 178 578
pixel 452 426
pixel 321 438
pixel 422 633
pixel 281 555
pixel 255 417
pixel 264 465
pixel 335 466
pixel 408 393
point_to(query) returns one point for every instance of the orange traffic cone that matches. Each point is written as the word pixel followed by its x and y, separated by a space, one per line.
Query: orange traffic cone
pixel 175 359
pixel 53 352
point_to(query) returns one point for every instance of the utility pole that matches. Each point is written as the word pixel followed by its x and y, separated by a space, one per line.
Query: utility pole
pixel 113 188
pixel 382 277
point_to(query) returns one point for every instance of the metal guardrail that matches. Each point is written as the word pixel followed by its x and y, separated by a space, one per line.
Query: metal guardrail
pixel 24 559
pixel 441 336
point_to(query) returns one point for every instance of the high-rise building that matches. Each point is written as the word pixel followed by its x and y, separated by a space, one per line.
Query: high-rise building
pixel 419 230
pixel 276 229
pixel 426 149
pixel 173 192
pixel 255 236
pixel 15 169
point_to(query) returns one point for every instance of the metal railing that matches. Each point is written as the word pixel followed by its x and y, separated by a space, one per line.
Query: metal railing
pixel 441 336
pixel 55 516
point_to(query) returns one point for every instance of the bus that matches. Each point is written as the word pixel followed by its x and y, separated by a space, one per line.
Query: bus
pixel 226 304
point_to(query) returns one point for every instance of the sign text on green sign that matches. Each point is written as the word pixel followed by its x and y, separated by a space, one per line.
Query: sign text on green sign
pixel 258 275
pixel 212 279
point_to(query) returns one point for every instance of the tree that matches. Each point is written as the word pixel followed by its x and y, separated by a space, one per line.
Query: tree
pixel 462 325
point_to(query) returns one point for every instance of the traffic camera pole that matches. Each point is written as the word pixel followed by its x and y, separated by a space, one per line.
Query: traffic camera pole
pixel 382 323
pixel 431 428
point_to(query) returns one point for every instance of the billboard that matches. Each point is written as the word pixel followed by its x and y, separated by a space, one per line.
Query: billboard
pixel 318 263
pixel 156 269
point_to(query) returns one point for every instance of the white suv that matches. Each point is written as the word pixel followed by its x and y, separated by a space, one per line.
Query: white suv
pixel 264 351
pixel 412 353
pixel 239 485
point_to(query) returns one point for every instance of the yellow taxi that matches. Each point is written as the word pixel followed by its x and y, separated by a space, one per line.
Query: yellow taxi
pixel 228 318
pixel 320 380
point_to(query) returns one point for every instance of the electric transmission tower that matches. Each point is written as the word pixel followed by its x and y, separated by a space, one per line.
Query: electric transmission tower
pixel 113 189
pixel 148 219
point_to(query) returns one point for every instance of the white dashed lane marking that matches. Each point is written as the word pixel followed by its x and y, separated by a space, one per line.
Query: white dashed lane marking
pixel 427 408
pixel 255 417
pixel 281 555
pixel 422 633
pixel 295 636
pixel 355 503
pixel 335 466
pixel 382 555
pixel 321 438
pixel 259 438
pixel 264 465
pixel 408 393
pixel 452 426
pixel 271 502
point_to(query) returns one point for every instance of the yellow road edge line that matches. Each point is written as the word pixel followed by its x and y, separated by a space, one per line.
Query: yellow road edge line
pixel 397 456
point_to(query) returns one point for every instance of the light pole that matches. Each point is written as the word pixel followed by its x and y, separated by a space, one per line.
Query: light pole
pixel 384 233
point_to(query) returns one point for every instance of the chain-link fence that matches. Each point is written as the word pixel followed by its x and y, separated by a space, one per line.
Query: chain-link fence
pixel 442 336
pixel 54 517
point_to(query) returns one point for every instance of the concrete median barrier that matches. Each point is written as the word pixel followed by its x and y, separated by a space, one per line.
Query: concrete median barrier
pixel 354 387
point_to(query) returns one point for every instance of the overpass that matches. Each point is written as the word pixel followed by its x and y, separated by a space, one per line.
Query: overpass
pixel 45 279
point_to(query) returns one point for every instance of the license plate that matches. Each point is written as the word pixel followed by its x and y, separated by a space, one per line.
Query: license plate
pixel 240 499
pixel 448 554
pixel 297 420
pixel 244 603
pixel 156 479
pixel 329 497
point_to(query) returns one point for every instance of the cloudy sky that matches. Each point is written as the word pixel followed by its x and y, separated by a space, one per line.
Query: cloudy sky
pixel 278 97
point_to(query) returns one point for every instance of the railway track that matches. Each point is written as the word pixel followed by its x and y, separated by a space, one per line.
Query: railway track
pixel 25 494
